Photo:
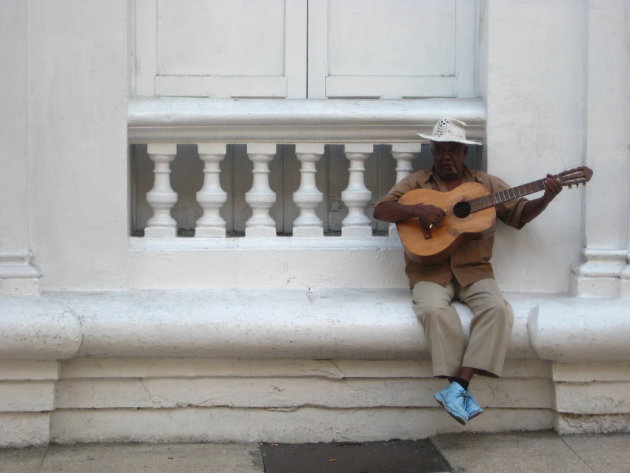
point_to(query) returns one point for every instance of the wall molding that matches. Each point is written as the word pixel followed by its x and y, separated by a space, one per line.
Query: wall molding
pixel 195 120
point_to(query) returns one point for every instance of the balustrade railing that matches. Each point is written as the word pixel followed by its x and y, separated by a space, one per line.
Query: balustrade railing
pixel 355 189
pixel 216 169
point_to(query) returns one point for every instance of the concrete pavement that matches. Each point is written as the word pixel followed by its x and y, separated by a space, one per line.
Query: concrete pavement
pixel 543 452
pixel 535 452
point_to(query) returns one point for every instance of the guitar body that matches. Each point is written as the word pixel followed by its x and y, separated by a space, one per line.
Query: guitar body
pixel 453 230
pixel 470 214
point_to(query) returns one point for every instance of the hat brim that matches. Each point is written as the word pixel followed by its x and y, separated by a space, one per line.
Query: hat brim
pixel 448 140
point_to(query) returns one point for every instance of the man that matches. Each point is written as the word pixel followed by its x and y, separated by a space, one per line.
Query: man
pixel 466 275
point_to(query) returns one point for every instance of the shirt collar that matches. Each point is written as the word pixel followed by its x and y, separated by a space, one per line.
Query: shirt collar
pixel 468 176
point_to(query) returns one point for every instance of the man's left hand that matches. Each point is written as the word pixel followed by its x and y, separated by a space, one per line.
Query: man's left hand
pixel 552 188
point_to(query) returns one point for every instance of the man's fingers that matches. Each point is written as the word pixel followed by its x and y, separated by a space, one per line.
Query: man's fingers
pixel 429 214
pixel 552 186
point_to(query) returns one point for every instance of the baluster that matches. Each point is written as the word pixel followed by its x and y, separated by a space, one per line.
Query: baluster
pixel 308 197
pixel 161 197
pixel 260 197
pixel 356 196
pixel 211 197
pixel 404 154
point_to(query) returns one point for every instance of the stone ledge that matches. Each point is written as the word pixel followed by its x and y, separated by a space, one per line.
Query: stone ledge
pixel 368 324
pixel 36 328
pixel 307 424
pixel 571 329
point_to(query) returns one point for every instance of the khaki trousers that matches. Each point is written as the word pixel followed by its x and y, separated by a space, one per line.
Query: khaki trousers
pixel 489 331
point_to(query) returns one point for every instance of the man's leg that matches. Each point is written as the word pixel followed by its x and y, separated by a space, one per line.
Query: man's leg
pixel 442 327
pixel 445 340
pixel 489 335
pixel 490 329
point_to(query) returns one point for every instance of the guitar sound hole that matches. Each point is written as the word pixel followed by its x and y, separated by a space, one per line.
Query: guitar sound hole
pixel 461 209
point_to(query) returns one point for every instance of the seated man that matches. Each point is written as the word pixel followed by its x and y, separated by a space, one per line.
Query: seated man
pixel 466 275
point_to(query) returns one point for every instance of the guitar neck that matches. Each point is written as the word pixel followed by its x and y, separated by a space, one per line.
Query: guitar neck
pixel 506 195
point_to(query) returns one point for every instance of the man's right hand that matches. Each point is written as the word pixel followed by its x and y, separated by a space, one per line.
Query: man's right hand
pixel 429 216
pixel 394 212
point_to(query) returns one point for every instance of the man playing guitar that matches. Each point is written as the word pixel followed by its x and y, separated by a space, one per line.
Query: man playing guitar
pixel 466 274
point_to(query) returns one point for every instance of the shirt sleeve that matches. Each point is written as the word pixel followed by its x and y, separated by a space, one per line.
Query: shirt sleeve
pixel 403 186
pixel 509 212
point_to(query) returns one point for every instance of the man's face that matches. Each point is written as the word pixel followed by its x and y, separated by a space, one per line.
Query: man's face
pixel 448 159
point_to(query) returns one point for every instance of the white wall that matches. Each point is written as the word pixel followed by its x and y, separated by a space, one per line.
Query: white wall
pixel 554 77
pixel 64 134
pixel 534 90
pixel 77 142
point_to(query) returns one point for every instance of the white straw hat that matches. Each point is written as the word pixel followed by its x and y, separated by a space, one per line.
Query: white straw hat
pixel 449 130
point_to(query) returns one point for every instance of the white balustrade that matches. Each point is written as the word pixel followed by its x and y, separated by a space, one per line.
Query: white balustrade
pixel 211 197
pixel 260 197
pixel 357 196
pixel 308 197
pixel 161 197
pixel 404 154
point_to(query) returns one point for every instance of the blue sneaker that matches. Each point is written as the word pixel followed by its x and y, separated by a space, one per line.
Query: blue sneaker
pixel 453 400
pixel 472 408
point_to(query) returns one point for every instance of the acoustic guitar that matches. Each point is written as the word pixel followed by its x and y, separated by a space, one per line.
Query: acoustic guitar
pixel 470 214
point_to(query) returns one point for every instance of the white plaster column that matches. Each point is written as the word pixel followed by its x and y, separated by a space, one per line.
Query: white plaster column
pixel 625 274
pixel 606 151
pixel 18 275
pixel 211 197
pixel 260 197
pixel 308 197
pixel 161 197
pixel 357 196
pixel 404 154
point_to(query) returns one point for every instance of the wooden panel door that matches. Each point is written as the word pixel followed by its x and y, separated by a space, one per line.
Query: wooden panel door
pixel 391 48
pixel 220 49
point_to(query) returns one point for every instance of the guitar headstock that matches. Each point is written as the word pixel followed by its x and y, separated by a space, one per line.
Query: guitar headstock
pixel 575 176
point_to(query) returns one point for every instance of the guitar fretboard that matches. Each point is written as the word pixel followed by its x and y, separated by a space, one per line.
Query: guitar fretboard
pixel 506 195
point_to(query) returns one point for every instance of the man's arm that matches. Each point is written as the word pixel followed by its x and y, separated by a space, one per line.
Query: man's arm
pixel 393 212
pixel 534 208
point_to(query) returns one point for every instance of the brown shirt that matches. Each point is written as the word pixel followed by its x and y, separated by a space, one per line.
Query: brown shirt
pixel 471 260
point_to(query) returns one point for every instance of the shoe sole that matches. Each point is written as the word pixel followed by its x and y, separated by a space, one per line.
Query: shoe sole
pixel 470 417
pixel 454 416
